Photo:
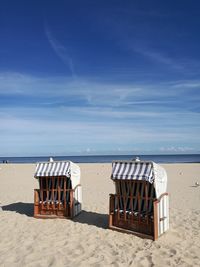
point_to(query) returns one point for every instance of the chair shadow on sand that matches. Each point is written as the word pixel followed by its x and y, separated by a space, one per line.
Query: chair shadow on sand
pixel 85 217
pixel 92 218
pixel 21 208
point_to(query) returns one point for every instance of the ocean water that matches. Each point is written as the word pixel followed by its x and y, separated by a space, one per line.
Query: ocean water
pixel 188 158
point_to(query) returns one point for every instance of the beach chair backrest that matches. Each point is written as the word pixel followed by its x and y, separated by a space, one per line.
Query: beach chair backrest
pixel 55 189
pixel 135 196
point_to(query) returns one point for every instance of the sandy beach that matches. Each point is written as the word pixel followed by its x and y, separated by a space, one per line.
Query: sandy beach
pixel 87 241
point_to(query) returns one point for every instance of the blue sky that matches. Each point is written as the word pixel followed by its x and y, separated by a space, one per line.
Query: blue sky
pixel 99 77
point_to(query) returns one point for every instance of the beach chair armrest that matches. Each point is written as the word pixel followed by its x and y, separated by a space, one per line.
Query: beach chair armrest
pixel 161 215
pixel 160 197
pixel 163 218
pixel 76 187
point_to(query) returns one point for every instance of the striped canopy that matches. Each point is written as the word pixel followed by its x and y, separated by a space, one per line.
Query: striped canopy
pixel 48 169
pixel 133 170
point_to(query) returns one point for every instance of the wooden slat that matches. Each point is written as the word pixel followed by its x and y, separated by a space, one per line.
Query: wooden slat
pixel 127 231
pixel 36 202
pixel 146 202
pixel 127 187
pixel 58 193
pixel 139 205
pixel 53 203
pixel 142 197
pixel 119 193
pixel 131 199
pixel 124 198
pixel 71 203
pixel 111 209
pixel 65 204
pixel 136 195
pixel 47 194
pixel 42 193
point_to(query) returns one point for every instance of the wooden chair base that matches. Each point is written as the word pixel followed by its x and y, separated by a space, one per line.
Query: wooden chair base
pixel 127 231
pixel 55 199
pixel 150 226
pixel 132 225
pixel 39 216
pixel 50 211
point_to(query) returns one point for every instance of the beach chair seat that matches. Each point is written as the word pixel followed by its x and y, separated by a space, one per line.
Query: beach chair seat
pixel 60 192
pixel 140 204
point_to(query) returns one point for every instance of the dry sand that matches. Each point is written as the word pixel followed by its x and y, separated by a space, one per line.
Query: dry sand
pixel 86 241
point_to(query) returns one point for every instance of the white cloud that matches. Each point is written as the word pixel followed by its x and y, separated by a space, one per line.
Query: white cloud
pixel 94 93
pixel 158 56
pixel 177 149
pixel 42 136
pixel 187 84
pixel 101 117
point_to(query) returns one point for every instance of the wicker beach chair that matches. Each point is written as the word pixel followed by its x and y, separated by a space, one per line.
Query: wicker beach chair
pixel 141 203
pixel 60 192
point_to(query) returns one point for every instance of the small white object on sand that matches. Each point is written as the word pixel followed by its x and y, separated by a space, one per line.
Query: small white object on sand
pixel 197 184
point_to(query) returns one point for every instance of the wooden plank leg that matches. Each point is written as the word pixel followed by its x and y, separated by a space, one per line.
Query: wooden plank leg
pixel 155 220
pixel 36 203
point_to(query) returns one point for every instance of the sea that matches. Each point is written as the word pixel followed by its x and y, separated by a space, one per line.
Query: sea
pixel 187 158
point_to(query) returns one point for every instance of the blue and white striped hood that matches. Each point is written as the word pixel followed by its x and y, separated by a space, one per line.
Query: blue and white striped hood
pixel 47 169
pixel 59 168
pixel 133 171
pixel 141 170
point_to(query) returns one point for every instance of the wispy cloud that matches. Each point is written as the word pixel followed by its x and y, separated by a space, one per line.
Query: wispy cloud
pixel 149 45
pixel 94 92
pixel 187 84
pixel 60 50
pixel 158 57
pixel 70 130
pixel 95 115
pixel 100 131
pixel 145 99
